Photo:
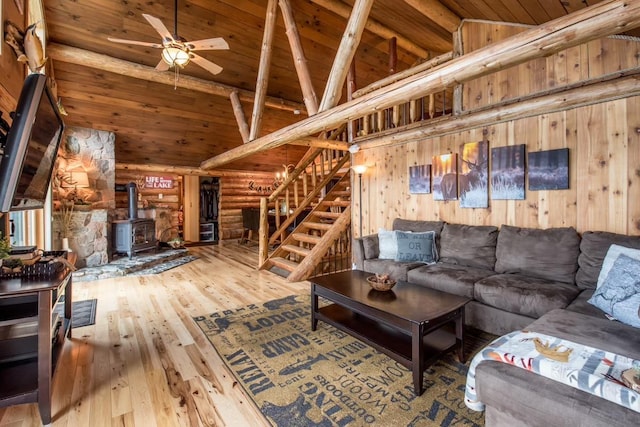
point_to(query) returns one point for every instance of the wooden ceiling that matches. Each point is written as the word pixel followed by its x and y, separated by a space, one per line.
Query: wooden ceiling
pixel 159 124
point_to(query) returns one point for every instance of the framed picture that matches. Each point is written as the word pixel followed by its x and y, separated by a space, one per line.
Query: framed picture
pixel 507 172
pixel 549 170
pixel 445 177
pixel 473 174
pixel 420 179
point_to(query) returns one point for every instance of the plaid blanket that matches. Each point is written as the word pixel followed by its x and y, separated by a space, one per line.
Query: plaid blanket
pixel 588 369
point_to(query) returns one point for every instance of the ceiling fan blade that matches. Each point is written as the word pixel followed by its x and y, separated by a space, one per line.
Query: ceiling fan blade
pixel 159 27
pixel 162 66
pixel 206 64
pixel 217 43
pixel 136 42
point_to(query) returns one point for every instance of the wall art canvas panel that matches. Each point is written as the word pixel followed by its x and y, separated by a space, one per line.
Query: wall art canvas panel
pixel 420 179
pixel 549 170
pixel 445 177
pixel 507 172
pixel 473 174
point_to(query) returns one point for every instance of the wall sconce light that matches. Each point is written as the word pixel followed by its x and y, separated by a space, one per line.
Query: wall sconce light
pixel 360 169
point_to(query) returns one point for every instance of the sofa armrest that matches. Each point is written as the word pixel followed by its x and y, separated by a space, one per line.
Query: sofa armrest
pixel 366 247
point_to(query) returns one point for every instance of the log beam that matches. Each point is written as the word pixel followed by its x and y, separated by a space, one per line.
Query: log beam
pixel 85 58
pixel 263 70
pixel 346 52
pixel 238 112
pixel 322 143
pixel 581 95
pixel 341 9
pixel 299 59
pixel 601 20
pixel 437 12
pixel 186 170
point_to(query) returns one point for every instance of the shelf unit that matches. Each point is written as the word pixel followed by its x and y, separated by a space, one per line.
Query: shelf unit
pixel 32 337
pixel 201 209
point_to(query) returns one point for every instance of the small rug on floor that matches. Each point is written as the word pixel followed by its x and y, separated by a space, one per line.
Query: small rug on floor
pixel 83 312
pixel 168 265
pixel 299 377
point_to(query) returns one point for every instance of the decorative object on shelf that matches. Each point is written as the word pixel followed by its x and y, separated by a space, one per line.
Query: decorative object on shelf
pixel 381 282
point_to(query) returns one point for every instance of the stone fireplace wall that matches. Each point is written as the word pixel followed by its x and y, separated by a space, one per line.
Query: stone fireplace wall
pixel 91 151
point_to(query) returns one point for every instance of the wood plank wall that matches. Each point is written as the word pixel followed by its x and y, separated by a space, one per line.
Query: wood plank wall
pixel 603 142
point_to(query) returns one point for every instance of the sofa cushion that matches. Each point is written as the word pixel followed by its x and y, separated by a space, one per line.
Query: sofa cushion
pixel 550 254
pixel 474 246
pixel 581 305
pixel 593 249
pixel 388 246
pixel 371 246
pixel 419 247
pixel 417 226
pixel 395 269
pixel 619 295
pixel 526 295
pixel 451 278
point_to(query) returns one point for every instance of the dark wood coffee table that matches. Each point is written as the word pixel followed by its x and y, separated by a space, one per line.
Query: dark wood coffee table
pixel 406 323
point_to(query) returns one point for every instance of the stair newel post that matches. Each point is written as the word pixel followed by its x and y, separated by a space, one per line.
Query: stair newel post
pixel 263 233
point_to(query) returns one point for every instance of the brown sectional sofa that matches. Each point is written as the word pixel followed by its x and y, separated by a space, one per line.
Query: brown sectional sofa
pixel 522 278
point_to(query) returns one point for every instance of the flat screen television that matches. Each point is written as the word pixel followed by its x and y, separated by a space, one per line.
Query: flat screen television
pixel 31 147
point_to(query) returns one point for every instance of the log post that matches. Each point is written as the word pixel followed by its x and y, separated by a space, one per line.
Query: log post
pixel 263 234
pixel 263 70
pixel 351 87
pixel 240 118
pixel 299 60
pixel 346 52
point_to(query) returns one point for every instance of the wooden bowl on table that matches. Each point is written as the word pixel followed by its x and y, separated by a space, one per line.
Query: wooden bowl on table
pixel 381 282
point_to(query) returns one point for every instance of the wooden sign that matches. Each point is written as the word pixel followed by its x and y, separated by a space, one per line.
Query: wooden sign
pixel 159 182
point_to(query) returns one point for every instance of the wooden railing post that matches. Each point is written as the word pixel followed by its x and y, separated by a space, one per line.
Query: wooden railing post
pixel 263 234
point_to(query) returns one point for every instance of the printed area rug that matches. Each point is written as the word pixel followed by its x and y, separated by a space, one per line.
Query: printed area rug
pixel 328 378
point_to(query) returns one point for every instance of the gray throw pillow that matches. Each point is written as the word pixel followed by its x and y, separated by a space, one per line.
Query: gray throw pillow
pixel 550 253
pixel 416 247
pixel 619 294
pixel 371 246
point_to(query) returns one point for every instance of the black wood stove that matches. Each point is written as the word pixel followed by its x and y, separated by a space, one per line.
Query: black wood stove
pixel 134 234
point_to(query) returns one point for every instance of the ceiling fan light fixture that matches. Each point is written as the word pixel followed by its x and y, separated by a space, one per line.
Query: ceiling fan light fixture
pixel 175 56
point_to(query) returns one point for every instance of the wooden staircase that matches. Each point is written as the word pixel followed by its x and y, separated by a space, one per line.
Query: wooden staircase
pixel 322 237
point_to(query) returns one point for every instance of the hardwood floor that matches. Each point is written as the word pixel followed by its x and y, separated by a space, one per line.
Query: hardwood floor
pixel 145 362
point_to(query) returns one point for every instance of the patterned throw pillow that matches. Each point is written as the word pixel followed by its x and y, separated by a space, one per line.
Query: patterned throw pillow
pixel 416 247
pixel 619 294
pixel 388 244
pixel 612 255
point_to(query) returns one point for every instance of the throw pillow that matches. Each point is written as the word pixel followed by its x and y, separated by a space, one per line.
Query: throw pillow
pixel 619 294
pixel 612 255
pixel 388 245
pixel 416 247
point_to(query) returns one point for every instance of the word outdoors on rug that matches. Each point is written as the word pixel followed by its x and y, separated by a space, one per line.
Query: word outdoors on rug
pixel 326 377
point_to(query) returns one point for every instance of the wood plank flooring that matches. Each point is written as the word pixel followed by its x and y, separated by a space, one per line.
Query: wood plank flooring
pixel 144 362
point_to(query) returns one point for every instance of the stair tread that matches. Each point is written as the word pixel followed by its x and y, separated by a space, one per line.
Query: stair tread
pixel 284 263
pixel 296 249
pixel 308 238
pixel 317 225
pixel 327 214
pixel 343 203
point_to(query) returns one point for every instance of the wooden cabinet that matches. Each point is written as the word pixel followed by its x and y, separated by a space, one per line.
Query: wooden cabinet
pixel 32 335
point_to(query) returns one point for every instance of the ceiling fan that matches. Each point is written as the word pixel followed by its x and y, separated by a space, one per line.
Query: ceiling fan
pixel 176 51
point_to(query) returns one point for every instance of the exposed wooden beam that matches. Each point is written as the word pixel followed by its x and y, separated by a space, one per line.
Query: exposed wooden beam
pixel 432 63
pixel 322 143
pixel 299 60
pixel 576 97
pixel 238 112
pixel 185 170
pixel 437 12
pixel 601 20
pixel 264 68
pixel 346 52
pixel 343 10
pixel 85 58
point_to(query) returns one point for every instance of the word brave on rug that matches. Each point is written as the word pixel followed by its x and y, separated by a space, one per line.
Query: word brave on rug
pixel 328 378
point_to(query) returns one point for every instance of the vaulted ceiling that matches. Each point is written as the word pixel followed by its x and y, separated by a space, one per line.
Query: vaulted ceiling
pixel 159 124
